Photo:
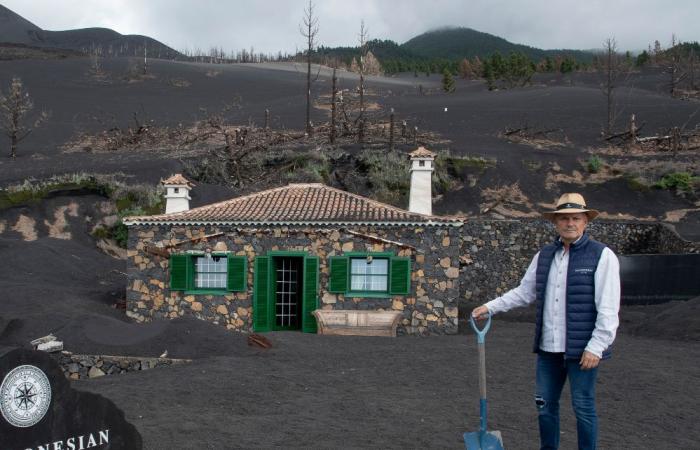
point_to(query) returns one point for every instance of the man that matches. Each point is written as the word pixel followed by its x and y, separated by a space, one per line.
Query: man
pixel 576 284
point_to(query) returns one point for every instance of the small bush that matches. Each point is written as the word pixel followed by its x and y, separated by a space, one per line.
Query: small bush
pixel 681 182
pixel 120 233
pixel 101 233
pixel 594 164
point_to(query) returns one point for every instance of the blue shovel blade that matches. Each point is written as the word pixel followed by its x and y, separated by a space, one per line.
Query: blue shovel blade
pixel 489 440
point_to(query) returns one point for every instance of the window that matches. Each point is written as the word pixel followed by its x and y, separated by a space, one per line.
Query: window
pixel 369 274
pixel 208 274
pixel 176 190
pixel 421 163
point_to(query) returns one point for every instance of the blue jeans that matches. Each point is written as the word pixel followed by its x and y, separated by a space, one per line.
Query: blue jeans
pixel 552 372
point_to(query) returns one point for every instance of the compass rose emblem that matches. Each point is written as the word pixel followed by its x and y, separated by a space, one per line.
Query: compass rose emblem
pixel 25 396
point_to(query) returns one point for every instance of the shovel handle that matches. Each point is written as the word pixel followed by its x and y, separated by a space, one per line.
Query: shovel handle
pixel 480 333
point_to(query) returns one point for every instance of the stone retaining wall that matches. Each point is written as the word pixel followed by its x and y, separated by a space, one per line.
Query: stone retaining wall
pixel 79 367
pixel 431 308
pixel 496 253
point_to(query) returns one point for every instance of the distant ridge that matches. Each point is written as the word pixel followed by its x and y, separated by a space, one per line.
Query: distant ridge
pixel 460 42
pixel 15 29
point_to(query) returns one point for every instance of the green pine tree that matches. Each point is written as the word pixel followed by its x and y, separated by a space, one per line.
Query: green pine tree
pixel 448 81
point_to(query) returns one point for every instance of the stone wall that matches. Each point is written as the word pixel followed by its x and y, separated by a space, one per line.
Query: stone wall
pixel 80 367
pixel 431 308
pixel 496 253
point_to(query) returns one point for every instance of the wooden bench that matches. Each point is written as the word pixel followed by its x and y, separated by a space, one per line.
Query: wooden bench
pixel 357 322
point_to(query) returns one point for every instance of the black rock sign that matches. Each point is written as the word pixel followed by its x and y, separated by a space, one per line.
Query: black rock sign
pixel 39 409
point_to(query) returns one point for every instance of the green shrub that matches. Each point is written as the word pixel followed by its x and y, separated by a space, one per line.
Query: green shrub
pixel 120 233
pixel 681 182
pixel 594 164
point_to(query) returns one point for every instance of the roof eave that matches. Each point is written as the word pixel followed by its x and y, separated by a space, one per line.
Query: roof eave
pixel 429 223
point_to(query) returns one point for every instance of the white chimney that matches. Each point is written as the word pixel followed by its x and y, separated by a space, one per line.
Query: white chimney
pixel 177 194
pixel 420 199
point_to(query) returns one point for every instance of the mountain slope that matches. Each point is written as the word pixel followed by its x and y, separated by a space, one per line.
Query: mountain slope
pixel 458 43
pixel 15 29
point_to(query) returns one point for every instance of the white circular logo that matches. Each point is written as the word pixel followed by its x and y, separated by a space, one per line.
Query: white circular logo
pixel 25 396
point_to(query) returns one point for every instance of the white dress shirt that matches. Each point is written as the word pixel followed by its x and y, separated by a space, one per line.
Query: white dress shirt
pixel 607 301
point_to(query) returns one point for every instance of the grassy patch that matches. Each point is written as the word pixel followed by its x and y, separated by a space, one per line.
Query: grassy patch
pixel 635 183
pixel 456 165
pixel 129 199
pixel 32 191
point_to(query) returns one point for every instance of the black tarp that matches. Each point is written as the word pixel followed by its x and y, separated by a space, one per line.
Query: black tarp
pixel 648 279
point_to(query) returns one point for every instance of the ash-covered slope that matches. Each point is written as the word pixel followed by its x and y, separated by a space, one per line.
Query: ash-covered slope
pixel 14 29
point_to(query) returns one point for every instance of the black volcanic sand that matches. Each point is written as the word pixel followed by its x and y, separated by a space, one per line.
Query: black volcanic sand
pixel 180 93
pixel 335 392
pixel 338 392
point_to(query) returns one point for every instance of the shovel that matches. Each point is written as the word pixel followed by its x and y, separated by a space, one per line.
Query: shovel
pixel 482 439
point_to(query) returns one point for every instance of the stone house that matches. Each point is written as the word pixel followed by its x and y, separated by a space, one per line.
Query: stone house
pixel 267 260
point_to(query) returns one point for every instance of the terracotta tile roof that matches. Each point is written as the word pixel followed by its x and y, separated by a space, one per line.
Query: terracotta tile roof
pixel 178 179
pixel 296 204
pixel 421 152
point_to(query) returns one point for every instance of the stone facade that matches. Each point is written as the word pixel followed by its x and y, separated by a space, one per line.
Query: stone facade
pixel 496 253
pixel 450 266
pixel 429 308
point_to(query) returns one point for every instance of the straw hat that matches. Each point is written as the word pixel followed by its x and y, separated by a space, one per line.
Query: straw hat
pixel 571 203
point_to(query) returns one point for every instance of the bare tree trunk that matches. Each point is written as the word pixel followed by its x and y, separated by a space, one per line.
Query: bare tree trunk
pixel 333 106
pixel 309 31
pixel 691 69
pixel 13 145
pixel 611 68
pixel 633 128
pixel 391 130
pixel 363 49
pixel 267 119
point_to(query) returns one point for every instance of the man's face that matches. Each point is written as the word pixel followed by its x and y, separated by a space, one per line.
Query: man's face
pixel 570 226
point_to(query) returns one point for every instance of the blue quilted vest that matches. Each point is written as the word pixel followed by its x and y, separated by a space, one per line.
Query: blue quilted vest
pixel 581 311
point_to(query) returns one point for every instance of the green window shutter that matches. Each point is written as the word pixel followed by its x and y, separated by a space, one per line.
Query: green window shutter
pixel 237 273
pixel 261 294
pixel 400 271
pixel 339 274
pixel 180 272
pixel 310 295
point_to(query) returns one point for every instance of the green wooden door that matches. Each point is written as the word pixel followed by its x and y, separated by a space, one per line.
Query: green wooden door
pixel 262 298
pixel 310 294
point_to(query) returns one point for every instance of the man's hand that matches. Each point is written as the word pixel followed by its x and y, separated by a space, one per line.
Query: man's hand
pixel 588 361
pixel 480 312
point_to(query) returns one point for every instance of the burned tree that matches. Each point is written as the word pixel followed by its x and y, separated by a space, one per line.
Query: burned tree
pixel 361 68
pixel 610 68
pixel 334 92
pixel 674 66
pixel 309 31
pixel 14 109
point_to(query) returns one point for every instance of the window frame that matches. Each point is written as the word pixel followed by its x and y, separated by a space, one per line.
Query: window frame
pixel 195 273
pixel 349 292
pixel 191 274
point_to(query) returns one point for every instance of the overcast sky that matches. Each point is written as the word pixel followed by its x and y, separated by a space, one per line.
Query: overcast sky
pixel 272 25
